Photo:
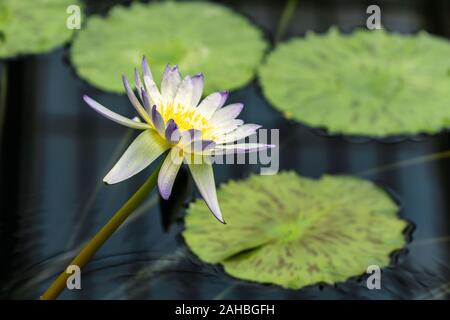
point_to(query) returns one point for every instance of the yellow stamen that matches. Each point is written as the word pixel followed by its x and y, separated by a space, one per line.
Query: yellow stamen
pixel 187 118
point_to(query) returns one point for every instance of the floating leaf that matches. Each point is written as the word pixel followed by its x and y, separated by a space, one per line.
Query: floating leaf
pixel 294 231
pixel 33 26
pixel 200 37
pixel 371 83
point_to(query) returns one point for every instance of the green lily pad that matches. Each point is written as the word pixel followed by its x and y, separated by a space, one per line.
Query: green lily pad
pixel 200 37
pixel 33 26
pixel 371 83
pixel 294 231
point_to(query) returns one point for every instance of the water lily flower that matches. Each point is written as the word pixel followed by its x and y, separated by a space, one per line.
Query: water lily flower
pixel 174 119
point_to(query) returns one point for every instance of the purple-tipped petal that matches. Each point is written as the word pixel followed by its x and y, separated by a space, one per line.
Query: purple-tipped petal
pixel 198 83
pixel 146 68
pixel 241 148
pixel 224 96
pixel 114 116
pixel 172 133
pixel 158 121
pixel 189 91
pixel 146 101
pixel 241 132
pixel 211 103
pixel 152 90
pixel 170 83
pixel 138 83
pixel 228 126
pixel 183 96
pixel 134 101
pixel 168 172
pixel 204 179
pixel 166 70
pixel 227 113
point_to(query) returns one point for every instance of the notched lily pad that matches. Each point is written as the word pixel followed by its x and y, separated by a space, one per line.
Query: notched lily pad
pixel 371 83
pixel 294 231
pixel 200 37
pixel 33 26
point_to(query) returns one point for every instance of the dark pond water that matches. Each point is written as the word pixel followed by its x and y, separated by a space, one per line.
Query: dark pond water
pixel 55 152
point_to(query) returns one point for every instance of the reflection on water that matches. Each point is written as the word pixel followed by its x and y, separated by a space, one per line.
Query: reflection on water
pixel 55 152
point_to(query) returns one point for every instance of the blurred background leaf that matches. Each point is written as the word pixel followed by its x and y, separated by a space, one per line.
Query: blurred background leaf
pixel 33 26
pixel 369 83
pixel 198 36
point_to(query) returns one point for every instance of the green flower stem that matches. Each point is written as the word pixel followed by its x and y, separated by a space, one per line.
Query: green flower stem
pixel 100 238
pixel 285 19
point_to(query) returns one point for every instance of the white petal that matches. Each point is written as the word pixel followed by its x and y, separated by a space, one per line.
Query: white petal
pixel 227 113
pixel 134 101
pixel 138 83
pixel 158 121
pixel 211 103
pixel 240 148
pixel 184 94
pixel 146 101
pixel 114 116
pixel 168 172
pixel 228 126
pixel 189 92
pixel 150 86
pixel 143 150
pixel 172 133
pixel 240 133
pixel 146 72
pixel 204 179
pixel 170 83
pixel 153 92
pixel 197 89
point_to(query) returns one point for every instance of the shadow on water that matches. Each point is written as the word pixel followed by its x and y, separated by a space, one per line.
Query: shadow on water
pixel 55 152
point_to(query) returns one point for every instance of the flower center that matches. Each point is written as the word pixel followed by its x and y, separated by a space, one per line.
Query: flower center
pixel 188 118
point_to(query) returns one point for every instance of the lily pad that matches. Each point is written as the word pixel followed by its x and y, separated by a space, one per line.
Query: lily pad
pixel 200 37
pixel 294 231
pixel 371 83
pixel 33 26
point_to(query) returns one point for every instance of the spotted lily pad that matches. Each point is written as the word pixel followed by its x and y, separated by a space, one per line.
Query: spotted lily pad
pixel 33 26
pixel 294 231
pixel 200 37
pixel 371 83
